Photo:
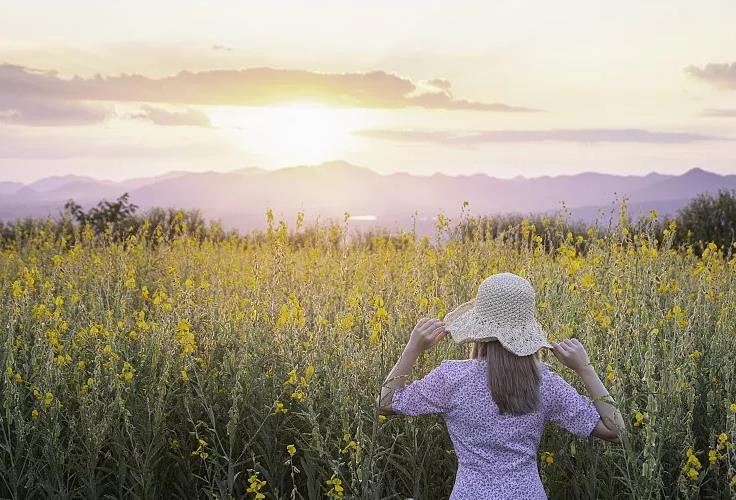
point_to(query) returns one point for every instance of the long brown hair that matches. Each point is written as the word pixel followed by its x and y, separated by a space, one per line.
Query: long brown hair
pixel 513 380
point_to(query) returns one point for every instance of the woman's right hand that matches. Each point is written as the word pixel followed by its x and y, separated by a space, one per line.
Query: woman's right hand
pixel 571 353
pixel 426 334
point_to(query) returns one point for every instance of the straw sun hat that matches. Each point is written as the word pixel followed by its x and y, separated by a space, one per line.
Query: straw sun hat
pixel 503 310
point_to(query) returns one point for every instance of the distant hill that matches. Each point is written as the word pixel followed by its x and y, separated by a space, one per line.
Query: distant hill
pixel 240 198
pixel 10 187
pixel 56 182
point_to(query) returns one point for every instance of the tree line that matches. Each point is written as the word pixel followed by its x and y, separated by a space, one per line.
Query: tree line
pixel 707 218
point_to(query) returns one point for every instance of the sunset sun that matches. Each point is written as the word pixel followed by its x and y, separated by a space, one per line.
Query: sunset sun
pixel 295 133
pixel 259 250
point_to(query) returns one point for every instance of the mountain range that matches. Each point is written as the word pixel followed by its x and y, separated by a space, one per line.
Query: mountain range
pixel 240 198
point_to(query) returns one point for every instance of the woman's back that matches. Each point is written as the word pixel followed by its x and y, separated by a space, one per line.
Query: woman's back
pixel 496 453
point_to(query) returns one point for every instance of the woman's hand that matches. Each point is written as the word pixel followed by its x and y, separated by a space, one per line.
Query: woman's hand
pixel 571 353
pixel 427 333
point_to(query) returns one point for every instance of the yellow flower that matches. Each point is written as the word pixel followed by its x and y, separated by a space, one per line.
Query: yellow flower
pixel 692 465
pixel 62 359
pixel 351 444
pixel 375 333
pixel 34 414
pixel 53 338
pixel 48 399
pixel 291 449
pixel 293 379
pixel 723 441
pixel 255 485
pixel 108 350
pixel 610 373
pixel 336 489
pixel 732 408
pixel 639 418
pixel 199 452
pixel 127 374
pixel 548 458
pixel 695 355
pixel 346 321
pixel 279 407
pixel 712 456
pixel 587 280
pixel 185 337
pixel 381 418
pixel 602 318
pixel 184 375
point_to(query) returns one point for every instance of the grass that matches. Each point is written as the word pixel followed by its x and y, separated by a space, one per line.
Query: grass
pixel 181 367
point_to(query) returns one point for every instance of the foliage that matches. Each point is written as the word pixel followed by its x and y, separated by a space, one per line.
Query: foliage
pixel 113 222
pixel 115 217
pixel 710 218
pixel 182 362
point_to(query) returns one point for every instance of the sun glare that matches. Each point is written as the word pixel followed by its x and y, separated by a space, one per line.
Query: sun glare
pixel 297 133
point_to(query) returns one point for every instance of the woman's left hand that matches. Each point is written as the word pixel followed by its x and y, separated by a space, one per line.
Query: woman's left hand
pixel 426 334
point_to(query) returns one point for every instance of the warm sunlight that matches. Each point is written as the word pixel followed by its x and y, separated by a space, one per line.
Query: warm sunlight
pixel 356 202
pixel 297 133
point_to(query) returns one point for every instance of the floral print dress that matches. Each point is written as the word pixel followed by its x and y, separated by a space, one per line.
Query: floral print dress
pixel 497 454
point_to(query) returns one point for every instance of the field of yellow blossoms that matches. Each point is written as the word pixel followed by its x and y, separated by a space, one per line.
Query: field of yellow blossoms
pixel 249 368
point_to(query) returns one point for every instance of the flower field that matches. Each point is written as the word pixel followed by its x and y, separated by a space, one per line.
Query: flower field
pixel 241 368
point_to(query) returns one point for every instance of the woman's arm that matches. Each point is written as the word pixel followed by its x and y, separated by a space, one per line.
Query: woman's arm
pixel 396 378
pixel 573 355
pixel 425 335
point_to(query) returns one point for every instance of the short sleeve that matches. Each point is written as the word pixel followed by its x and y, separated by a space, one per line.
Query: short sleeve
pixel 569 409
pixel 424 396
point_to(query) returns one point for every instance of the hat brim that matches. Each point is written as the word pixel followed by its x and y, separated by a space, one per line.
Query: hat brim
pixel 458 311
pixel 464 327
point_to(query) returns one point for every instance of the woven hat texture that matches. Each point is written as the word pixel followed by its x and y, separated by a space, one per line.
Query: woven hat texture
pixel 505 310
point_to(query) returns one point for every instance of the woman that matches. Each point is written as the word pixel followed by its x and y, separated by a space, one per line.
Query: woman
pixel 495 404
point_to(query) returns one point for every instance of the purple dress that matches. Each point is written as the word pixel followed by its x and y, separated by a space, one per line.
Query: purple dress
pixel 497 454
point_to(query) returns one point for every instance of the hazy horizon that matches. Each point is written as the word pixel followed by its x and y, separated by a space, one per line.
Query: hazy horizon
pixel 505 89
pixel 121 176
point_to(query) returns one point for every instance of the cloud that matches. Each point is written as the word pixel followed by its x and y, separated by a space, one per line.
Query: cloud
pixel 259 86
pixel 45 111
pixel 720 112
pixel 440 83
pixel 189 117
pixel 560 135
pixel 718 74
pixel 17 144
pixel 222 47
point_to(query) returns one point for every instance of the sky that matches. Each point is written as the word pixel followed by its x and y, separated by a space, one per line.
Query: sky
pixel 506 88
